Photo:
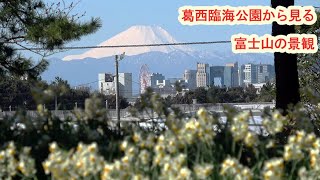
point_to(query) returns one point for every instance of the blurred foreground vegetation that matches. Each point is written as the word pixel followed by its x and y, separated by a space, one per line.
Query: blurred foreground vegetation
pixel 201 147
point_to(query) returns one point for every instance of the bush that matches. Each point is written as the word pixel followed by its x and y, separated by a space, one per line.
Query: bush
pixel 201 147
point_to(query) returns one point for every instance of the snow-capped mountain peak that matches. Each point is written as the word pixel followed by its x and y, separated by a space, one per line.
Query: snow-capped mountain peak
pixel 132 36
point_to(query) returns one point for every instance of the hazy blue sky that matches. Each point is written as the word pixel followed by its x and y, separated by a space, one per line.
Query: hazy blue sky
pixel 119 15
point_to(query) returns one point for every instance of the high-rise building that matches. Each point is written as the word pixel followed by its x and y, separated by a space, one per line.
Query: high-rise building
pixel 231 75
pixel 154 77
pixel 266 73
pixel 250 74
pixel 190 76
pixel 107 84
pixel 217 75
pixel 203 75
pixel 241 75
pixel 125 85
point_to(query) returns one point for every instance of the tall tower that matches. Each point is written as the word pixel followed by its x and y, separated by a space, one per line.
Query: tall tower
pixel 203 75
pixel 231 75
pixel 250 74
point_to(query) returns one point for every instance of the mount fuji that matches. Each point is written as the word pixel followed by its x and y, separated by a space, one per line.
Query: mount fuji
pixel 134 35
pixel 171 61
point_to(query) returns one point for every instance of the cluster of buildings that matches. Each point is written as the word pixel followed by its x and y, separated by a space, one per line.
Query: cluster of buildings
pixel 107 84
pixel 164 86
pixel 230 75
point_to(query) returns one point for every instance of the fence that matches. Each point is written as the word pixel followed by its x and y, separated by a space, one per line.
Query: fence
pixel 125 114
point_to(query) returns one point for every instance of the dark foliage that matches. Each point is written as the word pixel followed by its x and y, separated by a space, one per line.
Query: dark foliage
pixel 224 95
pixel 21 94
pixel 32 23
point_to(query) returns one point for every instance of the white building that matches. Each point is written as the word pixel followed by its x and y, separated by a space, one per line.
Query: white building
pixel 125 85
pixel 203 75
pixel 107 84
pixel 250 74
pixel 163 83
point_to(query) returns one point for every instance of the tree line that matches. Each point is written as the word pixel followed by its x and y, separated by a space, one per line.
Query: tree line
pixel 225 95
pixel 19 93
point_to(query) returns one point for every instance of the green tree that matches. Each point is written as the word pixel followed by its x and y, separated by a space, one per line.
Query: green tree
pixel 215 94
pixel 15 93
pixel 309 76
pixel 267 93
pixel 32 23
pixel 59 87
pixel 309 64
pixel 250 93
pixel 201 95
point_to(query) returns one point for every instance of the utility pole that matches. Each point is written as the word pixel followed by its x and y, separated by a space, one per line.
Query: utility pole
pixel 117 59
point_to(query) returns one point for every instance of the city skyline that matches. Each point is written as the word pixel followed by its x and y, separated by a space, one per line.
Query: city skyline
pixel 230 75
